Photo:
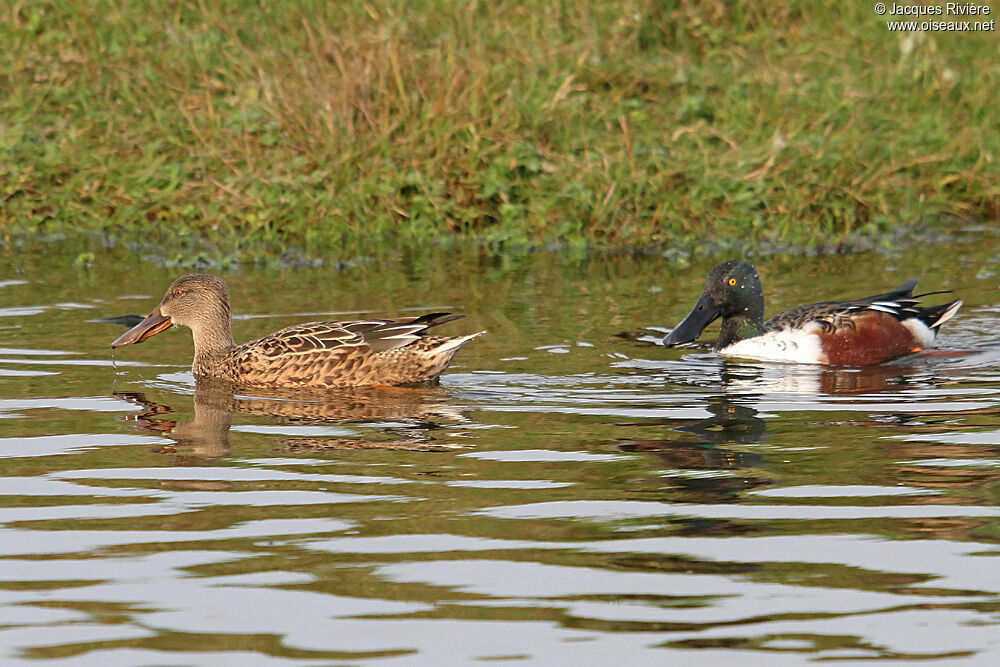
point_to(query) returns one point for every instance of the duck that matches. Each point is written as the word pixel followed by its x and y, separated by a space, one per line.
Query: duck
pixel 317 355
pixel 858 332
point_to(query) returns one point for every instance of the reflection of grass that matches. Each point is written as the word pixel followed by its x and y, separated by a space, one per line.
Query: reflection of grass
pixel 332 125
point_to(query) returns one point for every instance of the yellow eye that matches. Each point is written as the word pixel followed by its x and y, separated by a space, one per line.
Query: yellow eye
pixel 732 281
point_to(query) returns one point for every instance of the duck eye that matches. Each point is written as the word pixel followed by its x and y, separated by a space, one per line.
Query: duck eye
pixel 178 292
pixel 732 281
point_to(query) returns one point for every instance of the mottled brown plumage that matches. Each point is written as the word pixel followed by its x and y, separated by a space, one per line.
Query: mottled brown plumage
pixel 316 354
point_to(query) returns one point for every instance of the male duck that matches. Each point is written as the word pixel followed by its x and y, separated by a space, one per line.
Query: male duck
pixel 841 333
pixel 317 354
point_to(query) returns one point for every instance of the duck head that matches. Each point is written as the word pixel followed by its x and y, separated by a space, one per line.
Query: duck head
pixel 198 301
pixel 732 291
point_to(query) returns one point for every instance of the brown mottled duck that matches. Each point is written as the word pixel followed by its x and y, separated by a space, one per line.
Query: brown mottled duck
pixel 317 354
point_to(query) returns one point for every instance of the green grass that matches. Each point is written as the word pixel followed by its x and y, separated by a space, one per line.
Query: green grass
pixel 338 127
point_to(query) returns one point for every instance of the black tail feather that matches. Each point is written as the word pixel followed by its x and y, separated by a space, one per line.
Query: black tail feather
pixel 904 291
pixel 436 319
pixel 940 291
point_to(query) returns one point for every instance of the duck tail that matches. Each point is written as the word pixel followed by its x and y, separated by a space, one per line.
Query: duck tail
pixel 457 342
pixel 935 316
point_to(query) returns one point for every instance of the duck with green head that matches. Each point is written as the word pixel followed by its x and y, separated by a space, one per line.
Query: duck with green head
pixel 857 332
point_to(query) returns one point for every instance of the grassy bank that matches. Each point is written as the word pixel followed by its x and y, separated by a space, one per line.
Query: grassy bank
pixel 336 126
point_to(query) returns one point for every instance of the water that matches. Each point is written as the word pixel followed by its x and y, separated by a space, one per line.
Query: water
pixel 567 496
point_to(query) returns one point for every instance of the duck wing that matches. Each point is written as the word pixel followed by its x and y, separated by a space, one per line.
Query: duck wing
pixel 365 336
pixel 835 316
pixel 829 316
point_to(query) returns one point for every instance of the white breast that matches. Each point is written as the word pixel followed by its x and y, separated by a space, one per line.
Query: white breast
pixel 798 346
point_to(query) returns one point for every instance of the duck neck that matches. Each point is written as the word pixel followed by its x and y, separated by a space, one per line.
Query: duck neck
pixel 213 337
pixel 739 327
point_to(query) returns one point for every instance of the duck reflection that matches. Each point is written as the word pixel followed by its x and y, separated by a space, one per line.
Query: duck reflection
pixel 701 446
pixel 204 437
pixel 874 379
pixel 408 418
pixel 757 378
pixel 742 376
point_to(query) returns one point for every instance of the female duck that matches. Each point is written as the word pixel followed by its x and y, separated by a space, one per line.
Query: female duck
pixel 843 333
pixel 317 354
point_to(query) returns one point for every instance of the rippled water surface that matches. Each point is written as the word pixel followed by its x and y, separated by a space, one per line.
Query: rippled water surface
pixel 566 496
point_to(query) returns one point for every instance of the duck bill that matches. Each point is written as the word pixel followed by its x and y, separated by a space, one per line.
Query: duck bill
pixel 152 325
pixel 703 314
